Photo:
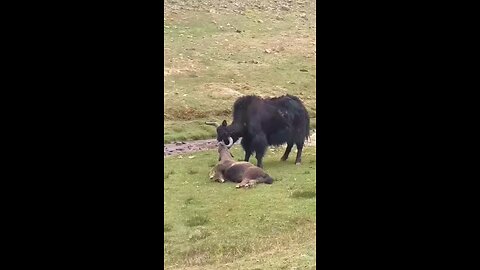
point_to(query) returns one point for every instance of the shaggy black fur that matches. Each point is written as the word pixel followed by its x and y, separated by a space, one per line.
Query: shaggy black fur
pixel 263 122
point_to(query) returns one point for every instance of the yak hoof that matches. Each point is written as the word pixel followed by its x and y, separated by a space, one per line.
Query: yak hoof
pixel 297 163
pixel 237 186
pixel 283 158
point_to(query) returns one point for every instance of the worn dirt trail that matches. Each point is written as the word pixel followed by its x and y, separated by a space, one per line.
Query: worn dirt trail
pixel 188 147
pixel 201 145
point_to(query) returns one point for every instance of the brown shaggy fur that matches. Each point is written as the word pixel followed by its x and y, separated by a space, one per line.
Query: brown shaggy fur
pixel 242 172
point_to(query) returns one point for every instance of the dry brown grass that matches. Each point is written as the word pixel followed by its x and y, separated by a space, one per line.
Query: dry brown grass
pixel 215 52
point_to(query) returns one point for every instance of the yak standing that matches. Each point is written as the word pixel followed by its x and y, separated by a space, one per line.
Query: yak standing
pixel 263 122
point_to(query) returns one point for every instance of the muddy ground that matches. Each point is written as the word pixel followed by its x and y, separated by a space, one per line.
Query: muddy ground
pixel 201 145
pixel 188 147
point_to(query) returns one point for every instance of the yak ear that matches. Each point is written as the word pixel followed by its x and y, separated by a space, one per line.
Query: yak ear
pixel 224 123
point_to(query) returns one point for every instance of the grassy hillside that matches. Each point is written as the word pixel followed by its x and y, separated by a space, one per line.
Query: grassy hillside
pixel 216 51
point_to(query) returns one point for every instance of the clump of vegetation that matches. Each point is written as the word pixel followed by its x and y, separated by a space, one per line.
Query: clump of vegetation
pixel 192 171
pixel 198 235
pixel 188 201
pixel 197 220
pixel 167 174
pixel 167 227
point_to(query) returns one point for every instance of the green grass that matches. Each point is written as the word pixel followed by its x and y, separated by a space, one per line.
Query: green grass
pixel 188 130
pixel 208 65
pixel 304 194
pixel 196 220
pixel 211 225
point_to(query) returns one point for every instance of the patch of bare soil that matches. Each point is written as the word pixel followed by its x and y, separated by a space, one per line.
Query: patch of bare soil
pixel 219 91
pixel 239 7
pixel 181 67
pixel 178 148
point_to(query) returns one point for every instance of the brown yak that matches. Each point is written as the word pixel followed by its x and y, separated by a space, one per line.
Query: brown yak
pixel 242 172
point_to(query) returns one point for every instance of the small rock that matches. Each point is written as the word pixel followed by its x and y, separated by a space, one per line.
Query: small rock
pixel 260 21
pixel 303 70
pixel 268 50
pixel 285 8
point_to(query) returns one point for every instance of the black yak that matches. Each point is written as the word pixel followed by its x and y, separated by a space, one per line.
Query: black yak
pixel 263 122
pixel 244 173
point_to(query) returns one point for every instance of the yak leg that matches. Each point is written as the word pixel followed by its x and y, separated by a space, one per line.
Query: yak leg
pixel 220 178
pixel 259 153
pixel 251 183
pixel 298 160
pixel 287 151
pixel 217 176
pixel 247 146
pixel 244 182
pixel 259 142
pixel 260 145
pixel 248 153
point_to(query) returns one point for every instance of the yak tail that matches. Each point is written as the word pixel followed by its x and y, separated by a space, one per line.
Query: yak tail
pixel 307 128
pixel 300 107
pixel 265 179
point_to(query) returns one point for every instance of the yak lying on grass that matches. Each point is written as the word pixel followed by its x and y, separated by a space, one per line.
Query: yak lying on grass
pixel 263 122
pixel 244 173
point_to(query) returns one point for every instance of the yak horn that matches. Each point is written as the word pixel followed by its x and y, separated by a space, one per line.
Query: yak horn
pixel 230 142
pixel 215 124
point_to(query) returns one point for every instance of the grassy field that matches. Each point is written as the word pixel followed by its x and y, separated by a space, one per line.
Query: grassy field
pixel 216 51
pixel 211 225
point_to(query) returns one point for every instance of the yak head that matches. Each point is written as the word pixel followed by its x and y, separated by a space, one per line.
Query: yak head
pixel 223 152
pixel 223 134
